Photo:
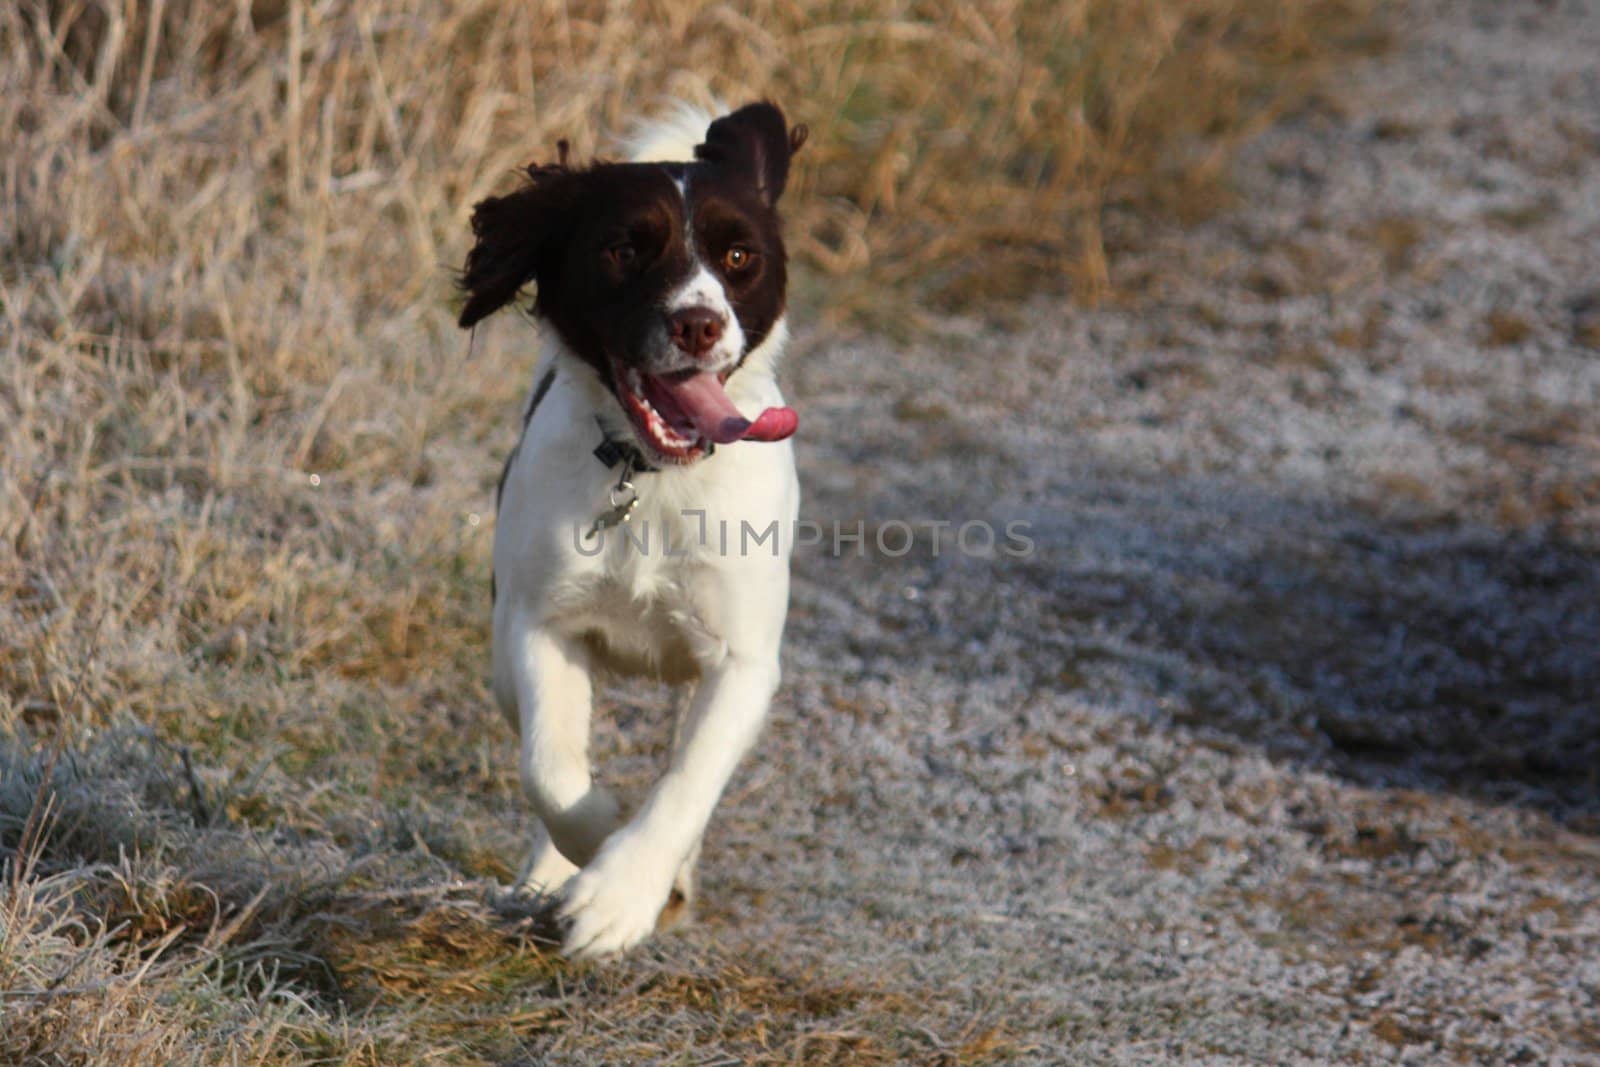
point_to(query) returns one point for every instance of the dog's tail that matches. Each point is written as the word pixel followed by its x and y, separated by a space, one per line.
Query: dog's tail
pixel 671 136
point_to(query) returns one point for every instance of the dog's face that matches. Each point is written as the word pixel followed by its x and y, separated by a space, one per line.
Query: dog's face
pixel 662 276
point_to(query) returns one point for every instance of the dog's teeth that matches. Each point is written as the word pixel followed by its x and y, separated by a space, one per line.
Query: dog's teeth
pixel 652 425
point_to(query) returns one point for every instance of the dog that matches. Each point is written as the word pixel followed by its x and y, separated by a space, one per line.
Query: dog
pixel 627 508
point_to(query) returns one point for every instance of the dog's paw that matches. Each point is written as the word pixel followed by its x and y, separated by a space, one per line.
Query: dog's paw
pixel 607 913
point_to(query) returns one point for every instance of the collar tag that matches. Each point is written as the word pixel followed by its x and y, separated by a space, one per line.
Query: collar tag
pixel 622 499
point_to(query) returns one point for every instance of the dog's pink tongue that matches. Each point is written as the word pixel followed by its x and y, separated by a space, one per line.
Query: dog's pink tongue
pixel 773 424
pixel 702 398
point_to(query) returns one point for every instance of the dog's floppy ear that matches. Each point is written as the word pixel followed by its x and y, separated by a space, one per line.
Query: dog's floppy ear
pixel 756 142
pixel 516 234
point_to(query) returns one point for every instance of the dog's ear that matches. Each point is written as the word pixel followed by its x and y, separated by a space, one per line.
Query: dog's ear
pixel 516 234
pixel 755 142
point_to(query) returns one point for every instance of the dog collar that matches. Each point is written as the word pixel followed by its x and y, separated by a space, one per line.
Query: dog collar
pixel 624 496
pixel 614 450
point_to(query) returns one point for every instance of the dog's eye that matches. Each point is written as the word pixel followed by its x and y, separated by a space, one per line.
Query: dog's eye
pixel 738 258
pixel 623 254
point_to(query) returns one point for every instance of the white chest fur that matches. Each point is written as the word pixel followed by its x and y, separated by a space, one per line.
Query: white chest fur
pixel 652 591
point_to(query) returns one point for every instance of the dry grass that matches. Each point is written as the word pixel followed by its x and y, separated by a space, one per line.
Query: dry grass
pixel 243 457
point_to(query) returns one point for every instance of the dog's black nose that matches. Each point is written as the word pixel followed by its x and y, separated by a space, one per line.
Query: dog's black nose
pixel 695 330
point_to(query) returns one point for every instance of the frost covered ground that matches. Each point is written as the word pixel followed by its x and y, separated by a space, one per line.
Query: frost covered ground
pixel 1285 744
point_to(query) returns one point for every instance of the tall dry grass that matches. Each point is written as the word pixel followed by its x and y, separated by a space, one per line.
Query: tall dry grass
pixel 246 462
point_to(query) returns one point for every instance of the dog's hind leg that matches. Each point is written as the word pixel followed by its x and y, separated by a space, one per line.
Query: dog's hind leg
pixel 546 869
pixel 547 677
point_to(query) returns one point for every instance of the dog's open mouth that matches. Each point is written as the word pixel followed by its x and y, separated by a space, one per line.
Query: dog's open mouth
pixel 680 415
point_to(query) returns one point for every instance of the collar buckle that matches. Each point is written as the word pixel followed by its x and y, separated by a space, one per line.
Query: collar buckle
pixel 612 451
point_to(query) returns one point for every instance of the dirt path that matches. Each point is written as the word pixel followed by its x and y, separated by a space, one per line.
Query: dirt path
pixel 1282 746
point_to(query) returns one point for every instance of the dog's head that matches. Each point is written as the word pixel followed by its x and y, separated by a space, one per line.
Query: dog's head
pixel 662 276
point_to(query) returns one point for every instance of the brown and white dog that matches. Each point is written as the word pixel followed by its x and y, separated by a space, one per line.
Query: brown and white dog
pixel 655 426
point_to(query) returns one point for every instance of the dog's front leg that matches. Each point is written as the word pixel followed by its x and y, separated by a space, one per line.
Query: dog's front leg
pixel 549 676
pixel 613 903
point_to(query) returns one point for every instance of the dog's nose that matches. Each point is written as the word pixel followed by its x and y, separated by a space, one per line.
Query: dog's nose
pixel 695 330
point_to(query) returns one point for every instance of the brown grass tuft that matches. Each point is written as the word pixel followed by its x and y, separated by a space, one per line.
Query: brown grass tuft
pixel 1502 329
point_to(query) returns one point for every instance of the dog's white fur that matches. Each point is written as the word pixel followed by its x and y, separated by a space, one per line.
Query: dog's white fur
pixel 720 609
